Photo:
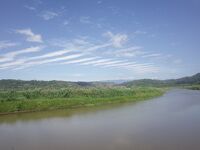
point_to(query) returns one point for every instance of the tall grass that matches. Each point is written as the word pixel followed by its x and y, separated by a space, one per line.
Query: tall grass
pixel 192 87
pixel 41 99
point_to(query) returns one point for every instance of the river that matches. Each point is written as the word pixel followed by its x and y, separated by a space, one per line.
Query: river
pixel 170 122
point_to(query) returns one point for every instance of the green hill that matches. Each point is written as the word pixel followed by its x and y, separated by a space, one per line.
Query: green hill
pixel 10 84
pixel 195 79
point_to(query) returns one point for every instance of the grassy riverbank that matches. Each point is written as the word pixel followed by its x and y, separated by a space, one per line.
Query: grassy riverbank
pixel 192 87
pixel 40 99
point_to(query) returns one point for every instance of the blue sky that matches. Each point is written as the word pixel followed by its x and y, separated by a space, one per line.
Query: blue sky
pixel 87 40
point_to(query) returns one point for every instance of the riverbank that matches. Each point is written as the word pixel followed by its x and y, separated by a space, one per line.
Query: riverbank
pixel 192 87
pixel 42 100
pixel 173 117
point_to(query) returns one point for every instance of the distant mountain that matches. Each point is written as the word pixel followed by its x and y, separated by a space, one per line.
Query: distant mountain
pixel 10 84
pixel 21 84
pixel 195 79
pixel 115 81
pixel 145 82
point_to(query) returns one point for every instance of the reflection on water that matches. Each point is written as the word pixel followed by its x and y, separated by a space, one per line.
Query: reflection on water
pixel 62 113
pixel 170 122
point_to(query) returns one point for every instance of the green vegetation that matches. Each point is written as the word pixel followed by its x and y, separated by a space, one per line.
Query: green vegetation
pixel 42 99
pixel 24 96
pixel 7 85
pixel 189 81
pixel 192 87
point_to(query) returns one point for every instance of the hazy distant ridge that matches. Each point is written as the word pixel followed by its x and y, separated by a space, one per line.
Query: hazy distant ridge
pixel 9 84
pixel 195 79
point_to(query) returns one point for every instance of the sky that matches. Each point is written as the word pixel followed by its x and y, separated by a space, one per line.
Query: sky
pixel 92 40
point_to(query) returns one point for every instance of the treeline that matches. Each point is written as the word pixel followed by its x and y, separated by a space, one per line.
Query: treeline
pixel 10 84
pixel 13 85
pixel 192 87
pixel 193 80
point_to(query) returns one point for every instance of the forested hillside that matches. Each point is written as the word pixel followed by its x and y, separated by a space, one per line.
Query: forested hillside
pixel 34 84
pixel 195 79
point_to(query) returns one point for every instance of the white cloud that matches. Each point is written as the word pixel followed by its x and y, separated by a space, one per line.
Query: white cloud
pixel 30 36
pixel 6 44
pixel 143 64
pixel 48 15
pixel 123 64
pixel 80 44
pixel 152 55
pixel 126 52
pixel 96 47
pixel 83 51
pixel 51 54
pixel 143 68
pixel 129 53
pixel 11 55
pixel 79 60
pixel 11 64
pixel 27 50
pixel 56 59
pixel 66 22
pixel 28 63
pixel 76 44
pixel 111 63
pixel 117 40
pixel 30 7
pixel 74 58
pixel 95 62
pixel 8 60
pixel 5 59
pixel 85 20
pixel 133 66
pixel 108 63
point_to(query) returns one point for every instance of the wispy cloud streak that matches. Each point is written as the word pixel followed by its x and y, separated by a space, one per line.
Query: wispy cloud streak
pixel 11 55
pixel 79 60
pixel 51 54
pixel 39 62
pixel 95 62
pixel 7 44
pixel 117 40
pixel 151 55
pixel 30 36
pixel 48 15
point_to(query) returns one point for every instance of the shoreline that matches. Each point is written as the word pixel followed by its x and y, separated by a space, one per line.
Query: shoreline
pixel 27 106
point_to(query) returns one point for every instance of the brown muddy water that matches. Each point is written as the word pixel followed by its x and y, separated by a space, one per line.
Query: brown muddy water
pixel 170 122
